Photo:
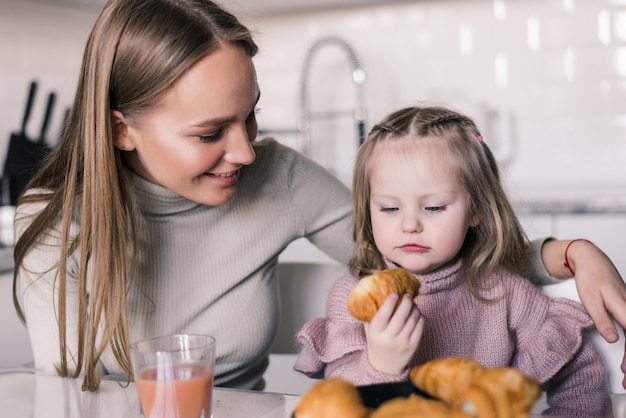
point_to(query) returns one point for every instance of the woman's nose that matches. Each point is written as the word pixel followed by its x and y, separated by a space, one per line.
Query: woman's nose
pixel 240 149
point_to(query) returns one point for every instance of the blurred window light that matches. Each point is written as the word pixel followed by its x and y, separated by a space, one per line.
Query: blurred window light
pixel 465 39
pixel 620 61
pixel 501 70
pixel 606 88
pixel 620 26
pixel 569 64
pixel 568 5
pixel 533 33
pixel 499 9
pixel 604 27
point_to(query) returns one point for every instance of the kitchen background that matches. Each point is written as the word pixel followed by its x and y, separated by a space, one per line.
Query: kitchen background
pixel 545 79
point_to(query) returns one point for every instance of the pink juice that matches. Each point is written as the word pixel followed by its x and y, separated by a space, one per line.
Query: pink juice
pixel 176 391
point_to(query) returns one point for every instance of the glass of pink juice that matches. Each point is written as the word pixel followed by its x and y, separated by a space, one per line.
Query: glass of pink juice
pixel 174 375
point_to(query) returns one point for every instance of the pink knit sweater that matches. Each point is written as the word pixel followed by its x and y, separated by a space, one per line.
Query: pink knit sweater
pixel 544 338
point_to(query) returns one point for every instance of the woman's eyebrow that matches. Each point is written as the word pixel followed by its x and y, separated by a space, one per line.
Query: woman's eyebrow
pixel 221 121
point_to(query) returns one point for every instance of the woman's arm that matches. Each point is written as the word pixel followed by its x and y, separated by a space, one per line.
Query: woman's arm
pixel 600 286
pixel 37 293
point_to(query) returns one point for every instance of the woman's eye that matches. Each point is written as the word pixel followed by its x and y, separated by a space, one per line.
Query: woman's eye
pixel 253 114
pixel 433 209
pixel 213 137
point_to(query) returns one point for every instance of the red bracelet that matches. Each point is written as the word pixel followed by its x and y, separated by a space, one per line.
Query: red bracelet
pixel 566 264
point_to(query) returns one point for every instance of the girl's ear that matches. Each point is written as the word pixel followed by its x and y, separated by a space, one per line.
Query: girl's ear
pixel 474 220
pixel 122 139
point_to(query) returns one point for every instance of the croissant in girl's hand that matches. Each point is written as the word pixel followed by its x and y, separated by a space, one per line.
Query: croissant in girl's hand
pixel 371 291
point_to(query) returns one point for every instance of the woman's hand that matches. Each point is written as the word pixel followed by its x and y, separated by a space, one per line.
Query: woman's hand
pixel 600 287
pixel 393 336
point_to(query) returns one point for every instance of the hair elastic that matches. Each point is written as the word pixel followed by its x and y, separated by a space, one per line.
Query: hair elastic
pixel 566 263
pixel 480 138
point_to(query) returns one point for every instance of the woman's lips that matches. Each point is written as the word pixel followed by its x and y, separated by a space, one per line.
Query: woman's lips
pixel 225 178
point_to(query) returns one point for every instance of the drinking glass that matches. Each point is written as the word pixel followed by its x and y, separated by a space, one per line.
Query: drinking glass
pixel 174 375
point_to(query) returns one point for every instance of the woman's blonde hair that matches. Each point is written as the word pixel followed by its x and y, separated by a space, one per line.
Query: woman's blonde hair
pixel 136 51
pixel 497 241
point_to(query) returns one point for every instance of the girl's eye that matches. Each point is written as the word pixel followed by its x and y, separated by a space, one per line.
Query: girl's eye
pixel 213 137
pixel 434 209
pixel 390 209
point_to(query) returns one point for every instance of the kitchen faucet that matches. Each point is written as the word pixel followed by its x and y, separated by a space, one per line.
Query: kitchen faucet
pixel 358 77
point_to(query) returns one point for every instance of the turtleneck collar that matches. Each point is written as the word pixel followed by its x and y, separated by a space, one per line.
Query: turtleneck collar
pixel 441 279
pixel 155 199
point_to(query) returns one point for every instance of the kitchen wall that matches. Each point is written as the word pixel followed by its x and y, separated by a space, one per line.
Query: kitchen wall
pixel 545 79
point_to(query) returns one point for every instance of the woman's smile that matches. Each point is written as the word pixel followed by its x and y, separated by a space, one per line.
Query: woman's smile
pixel 225 178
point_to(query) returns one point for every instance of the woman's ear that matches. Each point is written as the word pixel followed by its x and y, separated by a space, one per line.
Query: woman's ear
pixel 122 139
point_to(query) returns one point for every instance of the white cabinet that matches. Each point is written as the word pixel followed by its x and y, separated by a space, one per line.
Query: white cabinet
pixel 536 225
pixel 14 341
pixel 606 230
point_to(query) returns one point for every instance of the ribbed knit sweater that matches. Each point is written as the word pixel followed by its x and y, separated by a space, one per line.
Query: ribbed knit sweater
pixel 544 338
pixel 207 269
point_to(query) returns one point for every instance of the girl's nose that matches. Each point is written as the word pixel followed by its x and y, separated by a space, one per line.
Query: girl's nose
pixel 411 224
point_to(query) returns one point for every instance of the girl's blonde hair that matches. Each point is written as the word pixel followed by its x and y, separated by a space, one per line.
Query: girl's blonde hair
pixel 136 51
pixel 497 241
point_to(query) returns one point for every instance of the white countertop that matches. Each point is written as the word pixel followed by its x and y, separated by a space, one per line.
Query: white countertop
pixel 24 394
pixel 32 395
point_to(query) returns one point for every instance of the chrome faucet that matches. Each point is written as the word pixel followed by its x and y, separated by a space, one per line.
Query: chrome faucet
pixel 358 77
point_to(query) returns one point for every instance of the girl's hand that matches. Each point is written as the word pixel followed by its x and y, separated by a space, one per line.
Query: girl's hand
pixel 393 337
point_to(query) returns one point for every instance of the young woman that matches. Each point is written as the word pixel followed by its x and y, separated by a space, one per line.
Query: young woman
pixel 428 199
pixel 158 212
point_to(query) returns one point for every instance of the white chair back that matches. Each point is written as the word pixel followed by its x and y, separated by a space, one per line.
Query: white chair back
pixel 303 288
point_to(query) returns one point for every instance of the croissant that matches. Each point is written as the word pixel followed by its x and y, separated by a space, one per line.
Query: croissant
pixel 332 398
pixel 371 291
pixel 445 378
pixel 500 393
pixel 416 407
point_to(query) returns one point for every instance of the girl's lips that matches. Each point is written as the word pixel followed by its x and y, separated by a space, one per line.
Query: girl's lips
pixel 415 248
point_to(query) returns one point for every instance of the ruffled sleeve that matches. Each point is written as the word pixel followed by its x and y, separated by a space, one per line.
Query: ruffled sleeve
pixel 336 346
pixel 553 348
pixel 556 338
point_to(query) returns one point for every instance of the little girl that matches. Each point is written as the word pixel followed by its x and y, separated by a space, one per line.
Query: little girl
pixel 428 198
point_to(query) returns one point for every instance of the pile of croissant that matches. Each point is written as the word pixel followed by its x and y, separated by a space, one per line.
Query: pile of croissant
pixel 461 388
